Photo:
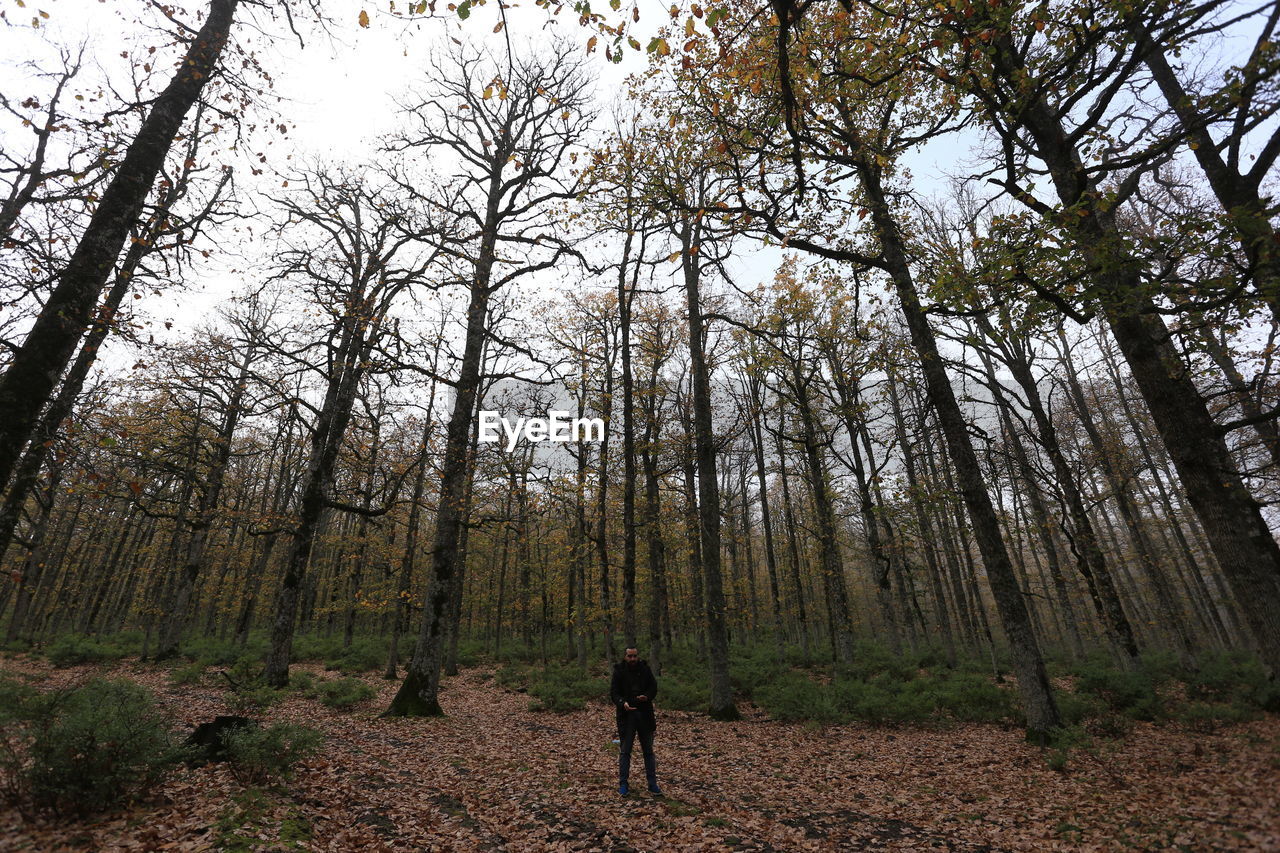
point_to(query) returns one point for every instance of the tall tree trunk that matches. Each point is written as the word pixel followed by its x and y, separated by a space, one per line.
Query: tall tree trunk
pixel 193 562
pixel 1090 560
pixel 651 521
pixel 326 442
pixel 766 518
pixel 928 542
pixel 1039 514
pixel 38 364
pixel 1170 611
pixel 793 545
pixel 833 580
pixel 722 705
pixel 1033 682
pixel 419 693
pixel 880 560
pixel 1231 517
pixel 625 296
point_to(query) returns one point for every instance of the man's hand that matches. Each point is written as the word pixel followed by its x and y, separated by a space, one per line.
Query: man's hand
pixel 626 706
pixel 642 698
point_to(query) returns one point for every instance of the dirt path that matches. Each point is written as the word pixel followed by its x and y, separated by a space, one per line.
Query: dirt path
pixel 495 776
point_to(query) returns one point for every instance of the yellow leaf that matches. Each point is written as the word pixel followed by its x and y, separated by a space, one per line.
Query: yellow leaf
pixel 364 18
pixel 497 28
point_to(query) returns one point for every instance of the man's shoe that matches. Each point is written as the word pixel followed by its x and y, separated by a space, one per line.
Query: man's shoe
pixel 624 789
pixel 654 789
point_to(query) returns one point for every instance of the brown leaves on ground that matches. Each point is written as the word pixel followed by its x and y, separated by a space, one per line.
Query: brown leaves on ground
pixel 495 776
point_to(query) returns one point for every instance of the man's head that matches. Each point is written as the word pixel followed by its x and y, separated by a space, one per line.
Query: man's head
pixel 631 655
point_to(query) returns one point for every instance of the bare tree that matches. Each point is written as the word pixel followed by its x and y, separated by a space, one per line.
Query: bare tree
pixel 512 127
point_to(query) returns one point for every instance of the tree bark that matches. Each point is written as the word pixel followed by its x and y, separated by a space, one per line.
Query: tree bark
pixel 38 364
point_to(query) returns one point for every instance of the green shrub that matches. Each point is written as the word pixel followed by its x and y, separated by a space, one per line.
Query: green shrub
pixel 553 697
pixel 316 647
pixel 750 673
pixel 1078 707
pixel 253 699
pixel 364 655
pixel 248 822
pixel 969 697
pixel 249 693
pixel 75 649
pixel 1109 725
pixel 470 652
pixel 512 676
pixel 245 670
pixel 1161 666
pixel 214 652
pixel 1061 743
pixel 794 696
pixel 257 755
pixel 1234 677
pixel 1208 717
pixel 192 673
pixel 97 746
pixel 681 692
pixel 1130 693
pixel 872 659
pixel 344 692
pixel 521 653
pixel 17 700
pixel 861 700
pixel 302 681
pixel 564 688
pixel 15 647
pixel 19 708
pixel 817 657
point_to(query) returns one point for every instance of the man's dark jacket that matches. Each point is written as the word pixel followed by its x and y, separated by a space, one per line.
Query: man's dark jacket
pixel 628 683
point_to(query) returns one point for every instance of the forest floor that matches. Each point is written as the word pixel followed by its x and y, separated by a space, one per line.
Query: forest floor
pixel 493 775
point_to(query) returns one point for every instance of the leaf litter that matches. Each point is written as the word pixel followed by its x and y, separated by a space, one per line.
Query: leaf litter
pixel 494 775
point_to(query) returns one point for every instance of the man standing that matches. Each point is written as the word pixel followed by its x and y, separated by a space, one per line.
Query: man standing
pixel 632 691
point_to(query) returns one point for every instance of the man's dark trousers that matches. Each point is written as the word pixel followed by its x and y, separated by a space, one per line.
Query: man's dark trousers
pixel 632 726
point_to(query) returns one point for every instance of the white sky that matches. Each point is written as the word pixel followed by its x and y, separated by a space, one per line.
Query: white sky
pixel 338 94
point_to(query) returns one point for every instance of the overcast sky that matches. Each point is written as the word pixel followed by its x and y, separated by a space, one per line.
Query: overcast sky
pixel 339 91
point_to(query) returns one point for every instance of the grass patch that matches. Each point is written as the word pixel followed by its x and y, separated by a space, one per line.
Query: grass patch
pixel 564 688
pixel 77 649
pixel 250 819
pixel 363 655
pixel 885 697
pixel 192 673
pixel 556 687
pixel 343 693
pixel 212 651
